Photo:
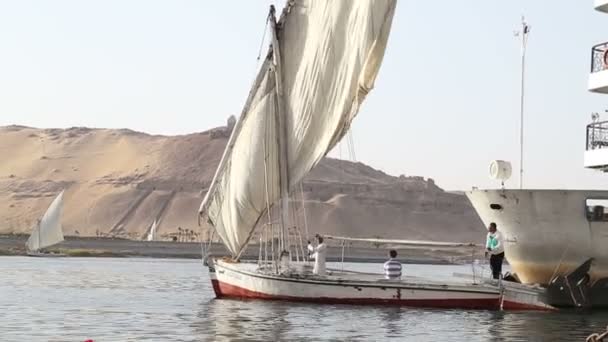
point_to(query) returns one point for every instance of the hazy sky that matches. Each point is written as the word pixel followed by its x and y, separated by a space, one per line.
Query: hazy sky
pixel 445 103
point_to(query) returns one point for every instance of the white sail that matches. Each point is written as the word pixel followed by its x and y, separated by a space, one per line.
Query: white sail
pixel 329 55
pixel 48 231
pixel 152 233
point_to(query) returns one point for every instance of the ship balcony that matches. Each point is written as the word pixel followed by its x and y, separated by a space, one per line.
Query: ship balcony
pixel 596 154
pixel 601 5
pixel 598 79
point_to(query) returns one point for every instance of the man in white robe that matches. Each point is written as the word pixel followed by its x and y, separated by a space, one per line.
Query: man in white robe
pixel 318 253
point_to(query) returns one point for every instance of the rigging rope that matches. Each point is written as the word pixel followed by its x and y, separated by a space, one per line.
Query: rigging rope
pixel 260 252
pixel 560 262
pixel 205 250
pixel 267 191
pixel 294 216
pixel 263 38
pixel 301 244
pixel 304 211
pixel 351 145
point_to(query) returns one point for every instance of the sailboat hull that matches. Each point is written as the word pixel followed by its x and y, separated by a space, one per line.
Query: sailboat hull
pixel 239 280
pixel 546 232
pixel 46 255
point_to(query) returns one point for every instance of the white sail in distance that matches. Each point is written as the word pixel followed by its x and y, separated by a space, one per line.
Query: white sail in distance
pixel 329 54
pixel 152 233
pixel 48 231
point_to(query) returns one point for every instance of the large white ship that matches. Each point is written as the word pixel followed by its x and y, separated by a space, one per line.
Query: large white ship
pixel 548 233
pixel 556 235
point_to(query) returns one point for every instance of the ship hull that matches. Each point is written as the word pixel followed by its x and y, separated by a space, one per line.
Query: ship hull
pixel 547 232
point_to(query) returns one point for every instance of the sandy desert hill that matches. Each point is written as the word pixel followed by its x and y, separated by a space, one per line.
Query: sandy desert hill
pixel 118 181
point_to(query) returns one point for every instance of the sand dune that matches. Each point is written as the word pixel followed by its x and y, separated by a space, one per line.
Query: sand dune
pixel 118 181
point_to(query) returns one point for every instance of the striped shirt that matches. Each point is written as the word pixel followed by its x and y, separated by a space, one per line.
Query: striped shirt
pixel 392 269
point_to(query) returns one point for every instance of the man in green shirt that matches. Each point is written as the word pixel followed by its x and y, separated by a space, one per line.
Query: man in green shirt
pixel 494 247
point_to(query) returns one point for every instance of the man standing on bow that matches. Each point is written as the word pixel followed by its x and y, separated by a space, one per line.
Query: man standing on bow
pixel 494 246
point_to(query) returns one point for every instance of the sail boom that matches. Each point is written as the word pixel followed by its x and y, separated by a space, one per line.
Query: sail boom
pixel 410 243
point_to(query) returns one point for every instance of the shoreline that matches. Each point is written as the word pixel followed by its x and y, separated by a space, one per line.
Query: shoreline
pixel 14 245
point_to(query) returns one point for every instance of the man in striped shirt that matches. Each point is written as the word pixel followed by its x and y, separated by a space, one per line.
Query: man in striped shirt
pixel 392 267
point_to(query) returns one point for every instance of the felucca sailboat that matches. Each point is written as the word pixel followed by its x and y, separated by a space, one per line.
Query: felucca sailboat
pixel 48 230
pixel 152 233
pixel 322 62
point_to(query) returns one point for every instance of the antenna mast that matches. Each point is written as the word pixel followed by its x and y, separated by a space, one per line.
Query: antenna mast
pixel 523 34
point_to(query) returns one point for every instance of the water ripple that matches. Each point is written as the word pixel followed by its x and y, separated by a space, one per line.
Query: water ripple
pixel 74 299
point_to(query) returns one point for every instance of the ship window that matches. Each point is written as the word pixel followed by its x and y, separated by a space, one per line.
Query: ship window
pixel 596 209
pixel 496 206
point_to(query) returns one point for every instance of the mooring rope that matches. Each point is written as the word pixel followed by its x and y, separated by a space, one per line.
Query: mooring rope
pixel 597 337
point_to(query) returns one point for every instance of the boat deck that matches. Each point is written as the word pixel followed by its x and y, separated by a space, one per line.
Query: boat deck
pixel 303 271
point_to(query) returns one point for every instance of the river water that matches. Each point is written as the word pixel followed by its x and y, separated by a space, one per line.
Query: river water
pixel 105 299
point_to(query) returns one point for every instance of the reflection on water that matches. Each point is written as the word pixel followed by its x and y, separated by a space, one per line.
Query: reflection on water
pixel 274 321
pixel 73 299
pixel 229 319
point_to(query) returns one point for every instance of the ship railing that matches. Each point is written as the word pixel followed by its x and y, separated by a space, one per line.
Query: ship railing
pixel 597 135
pixel 599 57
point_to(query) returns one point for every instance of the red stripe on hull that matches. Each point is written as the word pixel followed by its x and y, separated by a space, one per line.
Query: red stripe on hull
pixel 224 290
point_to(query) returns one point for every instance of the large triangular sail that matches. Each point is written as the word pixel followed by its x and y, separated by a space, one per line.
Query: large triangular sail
pixel 48 231
pixel 301 105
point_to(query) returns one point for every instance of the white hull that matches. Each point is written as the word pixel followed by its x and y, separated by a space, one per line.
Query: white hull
pixel 243 281
pixel 46 255
pixel 546 232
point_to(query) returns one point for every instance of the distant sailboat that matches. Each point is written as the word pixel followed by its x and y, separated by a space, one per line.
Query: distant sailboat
pixel 48 230
pixel 152 233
